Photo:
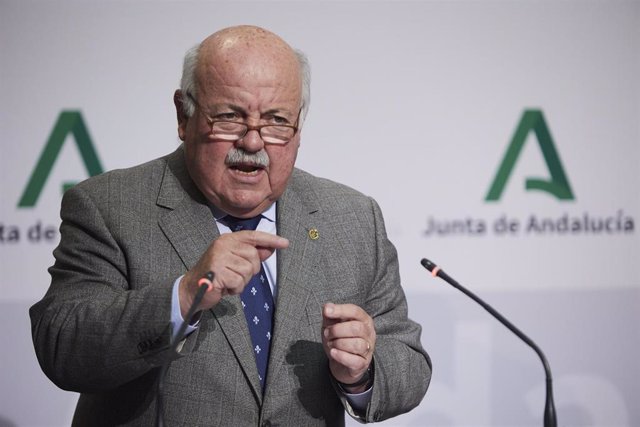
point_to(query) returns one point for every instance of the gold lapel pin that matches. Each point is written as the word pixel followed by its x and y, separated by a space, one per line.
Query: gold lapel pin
pixel 314 234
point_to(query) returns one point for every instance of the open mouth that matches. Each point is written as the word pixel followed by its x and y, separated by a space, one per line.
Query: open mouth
pixel 246 168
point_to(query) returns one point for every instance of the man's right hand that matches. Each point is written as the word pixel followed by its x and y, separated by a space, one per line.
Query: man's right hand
pixel 234 259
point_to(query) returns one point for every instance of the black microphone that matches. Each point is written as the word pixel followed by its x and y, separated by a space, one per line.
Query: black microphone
pixel 549 408
pixel 204 283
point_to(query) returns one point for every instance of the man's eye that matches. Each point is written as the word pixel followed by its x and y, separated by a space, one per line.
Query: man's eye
pixel 277 120
pixel 227 116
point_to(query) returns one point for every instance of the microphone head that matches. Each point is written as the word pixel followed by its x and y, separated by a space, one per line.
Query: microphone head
pixel 427 264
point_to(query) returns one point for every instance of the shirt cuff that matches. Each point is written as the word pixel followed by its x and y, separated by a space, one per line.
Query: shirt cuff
pixel 359 401
pixel 176 313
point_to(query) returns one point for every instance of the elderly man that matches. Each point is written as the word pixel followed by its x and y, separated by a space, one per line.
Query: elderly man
pixel 305 316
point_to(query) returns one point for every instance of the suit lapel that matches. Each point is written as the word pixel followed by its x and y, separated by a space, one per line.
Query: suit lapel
pixel 188 223
pixel 230 316
pixel 297 213
pixel 190 227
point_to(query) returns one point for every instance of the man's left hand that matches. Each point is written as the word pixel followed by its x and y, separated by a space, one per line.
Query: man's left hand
pixel 348 338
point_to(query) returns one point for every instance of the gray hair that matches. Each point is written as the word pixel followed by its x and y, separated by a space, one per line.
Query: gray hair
pixel 188 81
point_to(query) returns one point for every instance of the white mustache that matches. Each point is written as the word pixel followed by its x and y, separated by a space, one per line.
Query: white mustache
pixel 237 156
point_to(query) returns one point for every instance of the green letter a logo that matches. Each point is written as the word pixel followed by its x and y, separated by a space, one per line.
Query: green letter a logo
pixel 68 122
pixel 558 185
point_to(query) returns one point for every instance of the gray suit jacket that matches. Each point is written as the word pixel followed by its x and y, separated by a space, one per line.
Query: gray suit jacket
pixel 103 327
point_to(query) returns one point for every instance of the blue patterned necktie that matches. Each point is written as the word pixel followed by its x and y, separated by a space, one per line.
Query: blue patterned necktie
pixel 257 302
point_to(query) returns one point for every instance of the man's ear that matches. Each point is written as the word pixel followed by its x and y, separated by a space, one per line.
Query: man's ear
pixel 180 114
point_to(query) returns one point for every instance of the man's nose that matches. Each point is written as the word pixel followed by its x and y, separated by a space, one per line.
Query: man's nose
pixel 252 141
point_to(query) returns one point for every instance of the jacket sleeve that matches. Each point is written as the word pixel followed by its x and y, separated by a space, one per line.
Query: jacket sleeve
pixel 402 366
pixel 92 331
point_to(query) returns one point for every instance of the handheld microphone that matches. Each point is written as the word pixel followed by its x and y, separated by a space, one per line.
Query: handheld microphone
pixel 549 407
pixel 203 285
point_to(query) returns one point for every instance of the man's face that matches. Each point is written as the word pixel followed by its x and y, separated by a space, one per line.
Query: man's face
pixel 252 86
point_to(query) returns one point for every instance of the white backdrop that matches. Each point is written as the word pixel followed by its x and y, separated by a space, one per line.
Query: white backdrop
pixel 413 103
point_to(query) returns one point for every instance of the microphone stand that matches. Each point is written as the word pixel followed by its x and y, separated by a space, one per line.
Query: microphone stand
pixel 549 407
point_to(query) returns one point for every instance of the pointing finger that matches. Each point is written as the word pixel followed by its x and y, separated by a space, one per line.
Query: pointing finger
pixel 266 243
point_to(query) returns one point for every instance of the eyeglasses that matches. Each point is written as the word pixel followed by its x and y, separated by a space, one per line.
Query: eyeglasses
pixel 234 131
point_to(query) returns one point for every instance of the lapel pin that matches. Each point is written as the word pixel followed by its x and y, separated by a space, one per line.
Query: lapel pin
pixel 314 234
